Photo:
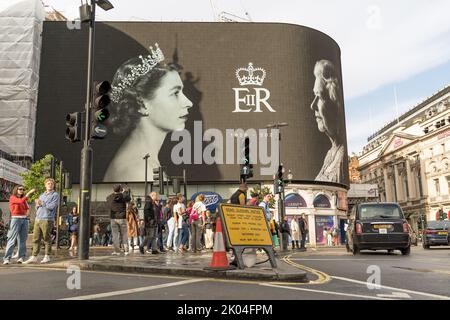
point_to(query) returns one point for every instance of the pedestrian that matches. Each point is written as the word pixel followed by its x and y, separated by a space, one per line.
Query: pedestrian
pixel 254 201
pixel 303 226
pixel 18 228
pixel 197 220
pixel 274 229
pixel 295 232
pixel 329 237
pixel 189 211
pixel 107 236
pixel 175 224
pixel 335 236
pixel 132 225
pixel 97 240
pixel 117 206
pixel 72 222
pixel 240 196
pixel 45 216
pixel 265 204
pixel 286 232
pixel 141 232
pixel 184 233
pixel 208 229
pixel 151 223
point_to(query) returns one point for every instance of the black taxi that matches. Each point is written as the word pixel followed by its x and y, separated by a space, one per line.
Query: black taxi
pixel 378 226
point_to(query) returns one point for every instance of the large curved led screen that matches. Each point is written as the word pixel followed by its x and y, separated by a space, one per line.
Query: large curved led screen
pixel 188 93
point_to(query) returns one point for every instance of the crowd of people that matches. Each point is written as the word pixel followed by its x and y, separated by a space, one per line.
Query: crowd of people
pixel 173 225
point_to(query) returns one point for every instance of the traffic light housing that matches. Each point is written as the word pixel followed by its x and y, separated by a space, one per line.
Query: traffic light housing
pixel 158 179
pixel 441 215
pixel 74 126
pixel 246 166
pixel 278 186
pixel 139 203
pixel 176 185
pixel 101 100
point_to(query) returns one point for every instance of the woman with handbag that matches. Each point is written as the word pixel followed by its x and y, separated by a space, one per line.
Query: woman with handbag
pixel 72 221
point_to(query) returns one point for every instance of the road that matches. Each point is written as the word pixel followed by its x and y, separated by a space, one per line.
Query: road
pixel 334 275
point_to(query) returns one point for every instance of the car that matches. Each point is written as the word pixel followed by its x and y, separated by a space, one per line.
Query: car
pixel 378 226
pixel 437 233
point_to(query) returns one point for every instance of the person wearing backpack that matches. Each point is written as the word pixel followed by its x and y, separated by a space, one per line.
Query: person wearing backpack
pixel 240 196
pixel 197 219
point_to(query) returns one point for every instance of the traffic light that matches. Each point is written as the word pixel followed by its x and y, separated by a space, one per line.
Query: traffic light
pixel 441 215
pixel 278 186
pixel 74 128
pixel 101 100
pixel 139 203
pixel 158 179
pixel 246 166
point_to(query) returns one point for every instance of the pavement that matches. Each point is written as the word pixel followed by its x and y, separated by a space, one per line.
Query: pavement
pixel 173 264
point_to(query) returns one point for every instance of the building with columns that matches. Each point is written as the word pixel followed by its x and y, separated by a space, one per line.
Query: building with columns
pixel 409 159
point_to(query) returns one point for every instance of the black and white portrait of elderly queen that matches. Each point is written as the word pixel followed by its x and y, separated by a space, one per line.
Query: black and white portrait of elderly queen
pixel 147 103
pixel 328 109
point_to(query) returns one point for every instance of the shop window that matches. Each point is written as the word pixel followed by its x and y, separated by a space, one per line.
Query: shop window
pixel 321 201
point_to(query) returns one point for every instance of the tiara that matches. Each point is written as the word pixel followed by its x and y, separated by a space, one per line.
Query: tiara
pixel 147 64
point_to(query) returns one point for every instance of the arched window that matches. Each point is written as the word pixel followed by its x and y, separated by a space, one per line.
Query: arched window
pixel 321 201
pixel 294 200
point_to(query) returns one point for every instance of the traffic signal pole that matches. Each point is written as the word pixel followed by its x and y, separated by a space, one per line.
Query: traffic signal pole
pixel 87 152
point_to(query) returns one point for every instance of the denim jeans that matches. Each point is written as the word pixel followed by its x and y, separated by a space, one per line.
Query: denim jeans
pixel 184 235
pixel 18 230
pixel 151 237
pixel 119 229
pixel 196 233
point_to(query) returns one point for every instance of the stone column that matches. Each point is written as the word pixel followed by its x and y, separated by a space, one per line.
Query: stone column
pixel 387 185
pixel 398 183
pixel 424 179
pixel 410 179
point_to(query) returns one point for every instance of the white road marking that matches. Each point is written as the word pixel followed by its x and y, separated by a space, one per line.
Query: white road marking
pixel 431 295
pixel 338 259
pixel 326 292
pixel 142 289
pixel 395 295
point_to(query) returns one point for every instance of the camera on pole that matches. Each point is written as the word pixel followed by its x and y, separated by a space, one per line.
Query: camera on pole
pixel 101 100
pixel 278 186
pixel 74 128
pixel 246 166
pixel 158 179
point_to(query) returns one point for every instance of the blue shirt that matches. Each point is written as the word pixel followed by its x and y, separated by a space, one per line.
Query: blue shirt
pixel 266 209
pixel 47 210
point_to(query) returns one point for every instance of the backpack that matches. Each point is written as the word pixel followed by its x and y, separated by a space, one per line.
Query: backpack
pixel 234 199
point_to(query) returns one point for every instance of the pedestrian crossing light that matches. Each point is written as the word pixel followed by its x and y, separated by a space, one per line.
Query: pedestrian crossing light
pixel 101 100
pixel 158 179
pixel 279 182
pixel 139 203
pixel 246 166
pixel 73 130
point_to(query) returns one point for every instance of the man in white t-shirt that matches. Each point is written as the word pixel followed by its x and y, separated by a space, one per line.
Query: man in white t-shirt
pixel 197 219
pixel 178 210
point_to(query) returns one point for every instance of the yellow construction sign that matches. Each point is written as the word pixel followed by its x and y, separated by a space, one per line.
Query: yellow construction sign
pixel 245 225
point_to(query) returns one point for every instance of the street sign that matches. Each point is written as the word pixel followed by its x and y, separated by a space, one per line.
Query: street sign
pixel 246 227
pixel 99 131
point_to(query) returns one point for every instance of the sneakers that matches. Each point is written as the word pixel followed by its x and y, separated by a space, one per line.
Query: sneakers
pixel 32 259
pixel 16 255
pixel 46 259
pixel 141 250
pixel 115 254
pixel 7 261
pixel 20 260
pixel 126 253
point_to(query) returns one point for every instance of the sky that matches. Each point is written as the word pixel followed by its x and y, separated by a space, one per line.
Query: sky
pixel 387 46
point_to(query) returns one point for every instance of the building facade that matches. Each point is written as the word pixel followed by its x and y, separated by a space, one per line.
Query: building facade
pixel 409 159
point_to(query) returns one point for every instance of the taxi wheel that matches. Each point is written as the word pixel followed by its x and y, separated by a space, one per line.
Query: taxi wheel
pixel 406 251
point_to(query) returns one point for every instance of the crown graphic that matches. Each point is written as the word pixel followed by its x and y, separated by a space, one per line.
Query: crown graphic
pixel 147 64
pixel 250 75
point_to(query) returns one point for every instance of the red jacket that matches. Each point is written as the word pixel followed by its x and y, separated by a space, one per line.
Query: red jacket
pixel 18 206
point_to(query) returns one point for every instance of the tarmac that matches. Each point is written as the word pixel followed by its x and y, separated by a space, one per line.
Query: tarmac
pixel 172 263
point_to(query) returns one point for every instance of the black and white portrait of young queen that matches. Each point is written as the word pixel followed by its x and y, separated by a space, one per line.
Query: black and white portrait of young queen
pixel 328 106
pixel 147 104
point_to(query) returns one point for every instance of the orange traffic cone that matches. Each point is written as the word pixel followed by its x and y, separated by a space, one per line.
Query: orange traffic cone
pixel 219 259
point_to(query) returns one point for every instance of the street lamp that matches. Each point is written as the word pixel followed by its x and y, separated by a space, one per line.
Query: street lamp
pixel 281 209
pixel 146 166
pixel 87 15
